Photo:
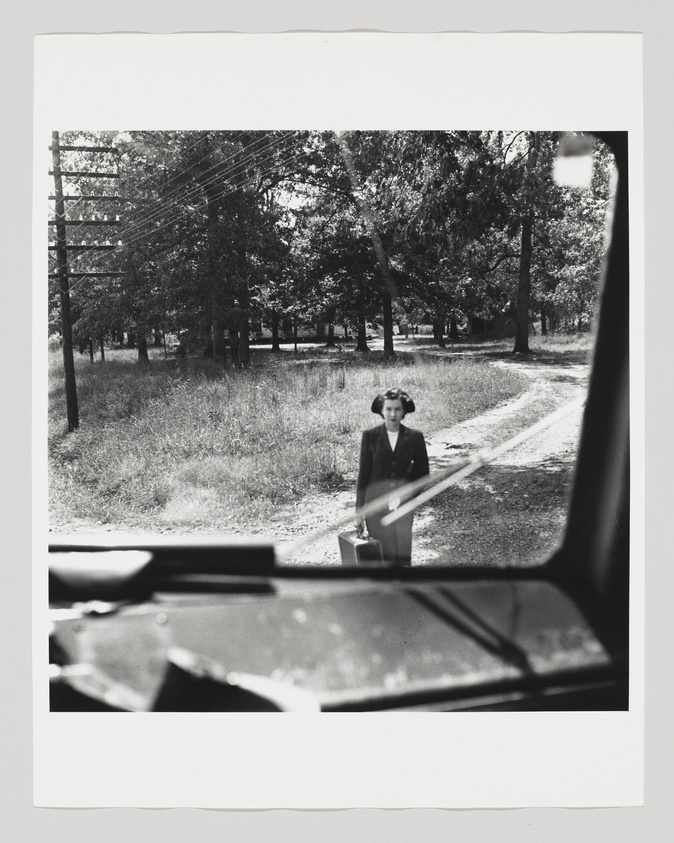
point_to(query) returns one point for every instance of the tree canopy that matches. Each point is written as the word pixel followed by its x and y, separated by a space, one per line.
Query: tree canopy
pixel 212 236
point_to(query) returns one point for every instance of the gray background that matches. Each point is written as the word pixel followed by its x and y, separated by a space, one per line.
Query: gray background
pixel 18 24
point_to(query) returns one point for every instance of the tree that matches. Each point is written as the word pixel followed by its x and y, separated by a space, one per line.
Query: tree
pixel 388 290
pixel 571 248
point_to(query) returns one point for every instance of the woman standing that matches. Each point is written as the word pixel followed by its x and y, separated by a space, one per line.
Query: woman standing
pixel 390 456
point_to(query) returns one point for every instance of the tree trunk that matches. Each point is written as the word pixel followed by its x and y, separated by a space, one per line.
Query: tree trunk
pixel 361 344
pixel 275 344
pixel 544 322
pixel 242 317
pixel 389 353
pixel 388 287
pixel 102 347
pixel 441 328
pixel 330 314
pixel 216 276
pixel 219 353
pixel 526 250
pixel 234 348
pixel 453 328
pixel 208 346
pixel 244 341
pixel 295 332
pixel 143 357
pixel 91 350
pixel 523 289
pixel 157 338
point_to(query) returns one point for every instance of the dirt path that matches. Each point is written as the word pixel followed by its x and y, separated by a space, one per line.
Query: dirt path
pixel 511 512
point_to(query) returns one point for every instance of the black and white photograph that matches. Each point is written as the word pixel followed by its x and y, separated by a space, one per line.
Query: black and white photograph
pixel 338 421
pixel 229 311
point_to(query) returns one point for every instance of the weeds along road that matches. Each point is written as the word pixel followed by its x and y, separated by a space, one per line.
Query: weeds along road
pixel 511 512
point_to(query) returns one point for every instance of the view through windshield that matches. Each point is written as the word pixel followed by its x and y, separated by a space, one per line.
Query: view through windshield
pixel 237 317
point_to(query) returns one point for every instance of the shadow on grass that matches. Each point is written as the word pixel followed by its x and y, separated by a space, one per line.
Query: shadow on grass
pixel 548 351
pixel 560 357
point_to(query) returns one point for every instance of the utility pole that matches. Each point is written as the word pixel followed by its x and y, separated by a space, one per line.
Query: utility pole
pixel 61 247
pixel 64 289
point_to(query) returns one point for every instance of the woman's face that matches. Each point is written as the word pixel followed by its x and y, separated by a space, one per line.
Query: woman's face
pixel 393 413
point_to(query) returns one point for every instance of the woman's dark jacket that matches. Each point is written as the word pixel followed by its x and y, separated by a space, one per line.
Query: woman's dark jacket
pixel 381 470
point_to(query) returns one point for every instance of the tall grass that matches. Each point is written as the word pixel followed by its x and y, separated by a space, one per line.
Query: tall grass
pixel 182 444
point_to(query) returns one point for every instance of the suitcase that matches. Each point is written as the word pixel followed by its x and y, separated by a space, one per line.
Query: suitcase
pixel 359 551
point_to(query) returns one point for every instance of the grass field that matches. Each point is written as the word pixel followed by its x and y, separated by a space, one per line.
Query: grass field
pixel 182 445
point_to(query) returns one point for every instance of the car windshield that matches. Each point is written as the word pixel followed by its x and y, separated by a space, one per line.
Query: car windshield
pixel 227 308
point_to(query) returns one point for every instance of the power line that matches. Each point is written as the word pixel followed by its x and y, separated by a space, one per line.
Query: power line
pixel 147 178
pixel 197 187
pixel 174 213
pixel 184 152
pixel 226 191
pixel 235 168
pixel 217 165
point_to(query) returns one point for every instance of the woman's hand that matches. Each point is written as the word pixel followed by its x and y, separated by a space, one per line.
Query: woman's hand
pixel 359 524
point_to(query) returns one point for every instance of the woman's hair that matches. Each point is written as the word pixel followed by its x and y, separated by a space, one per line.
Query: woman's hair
pixel 393 395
